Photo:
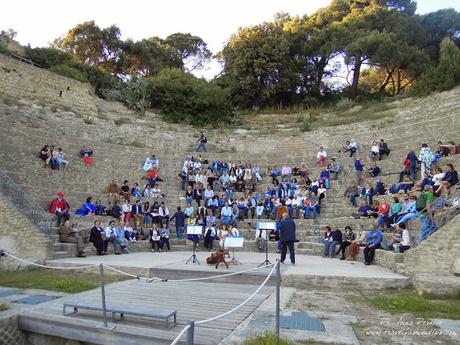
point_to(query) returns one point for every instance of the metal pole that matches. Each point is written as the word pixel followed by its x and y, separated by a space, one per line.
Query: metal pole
pixel 104 306
pixel 191 333
pixel 278 291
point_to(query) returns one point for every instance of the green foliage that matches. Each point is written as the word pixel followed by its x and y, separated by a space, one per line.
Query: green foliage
pixel 184 97
pixel 418 305
pixel 70 72
pixel 345 104
pixel 191 50
pixel 48 57
pixel 53 280
pixel 3 307
pixel 268 339
pixel 135 95
pixel 3 48
pixel 446 74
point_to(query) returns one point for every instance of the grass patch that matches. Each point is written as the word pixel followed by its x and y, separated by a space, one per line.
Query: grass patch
pixel 122 121
pixel 69 282
pixel 418 305
pixel 270 339
pixel 3 307
pixel 88 119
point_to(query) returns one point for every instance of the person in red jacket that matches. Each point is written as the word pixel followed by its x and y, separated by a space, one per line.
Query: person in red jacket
pixel 383 211
pixel 61 208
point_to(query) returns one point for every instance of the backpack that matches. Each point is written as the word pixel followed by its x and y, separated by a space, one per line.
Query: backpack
pixel 420 204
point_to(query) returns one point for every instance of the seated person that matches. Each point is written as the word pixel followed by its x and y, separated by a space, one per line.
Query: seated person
pixel 60 158
pixel 332 241
pixel 401 239
pixel 360 240
pixel 363 211
pixel 125 190
pixel 99 208
pixel 165 233
pixel 45 155
pixel 375 239
pixel 155 239
pixel 383 149
pixel 450 179
pixel 61 208
pixel 373 170
pixel 86 151
pixel 70 233
pixel 87 208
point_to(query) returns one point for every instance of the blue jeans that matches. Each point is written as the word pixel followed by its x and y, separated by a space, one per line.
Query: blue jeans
pixel 353 197
pixel 226 220
pixel 201 146
pixel 307 212
pixel 382 220
pixel 427 227
pixel 407 217
pixel 179 231
pixel 329 248
pixel 412 172
pixel 138 195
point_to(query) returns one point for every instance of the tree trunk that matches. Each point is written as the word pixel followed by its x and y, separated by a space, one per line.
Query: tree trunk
pixel 356 73
pixel 386 81
pixel 398 90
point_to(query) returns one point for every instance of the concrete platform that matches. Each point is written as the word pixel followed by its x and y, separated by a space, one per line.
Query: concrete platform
pixel 309 270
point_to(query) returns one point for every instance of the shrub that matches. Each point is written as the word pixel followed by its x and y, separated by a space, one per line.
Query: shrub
pixel 3 307
pixel 135 95
pixel 70 72
pixel 184 97
pixel 48 57
pixel 344 104
pixel 3 48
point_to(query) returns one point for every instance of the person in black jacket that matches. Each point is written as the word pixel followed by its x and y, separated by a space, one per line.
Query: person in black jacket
pixel 287 237
pixel 179 215
pixel 334 240
pixel 97 237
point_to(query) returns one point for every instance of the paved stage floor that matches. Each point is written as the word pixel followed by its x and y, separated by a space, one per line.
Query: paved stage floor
pixel 313 266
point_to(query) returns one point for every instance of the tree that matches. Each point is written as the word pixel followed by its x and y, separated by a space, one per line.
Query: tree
pixel 259 66
pixel 147 57
pixel 439 25
pixel 92 45
pixel 8 34
pixel 191 50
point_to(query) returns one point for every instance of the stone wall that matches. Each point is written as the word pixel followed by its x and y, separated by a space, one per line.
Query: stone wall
pixel 22 80
pixel 20 237
pixel 435 264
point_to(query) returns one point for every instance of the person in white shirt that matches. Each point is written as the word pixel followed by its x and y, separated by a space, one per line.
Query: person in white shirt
pixel 163 213
pixel 401 242
pixel 111 236
pixel 375 149
pixel 321 157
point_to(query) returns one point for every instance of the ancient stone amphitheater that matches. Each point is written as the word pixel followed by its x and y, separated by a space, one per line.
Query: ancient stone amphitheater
pixel 38 107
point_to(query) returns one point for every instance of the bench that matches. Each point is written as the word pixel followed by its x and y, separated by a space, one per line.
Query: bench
pixel 156 314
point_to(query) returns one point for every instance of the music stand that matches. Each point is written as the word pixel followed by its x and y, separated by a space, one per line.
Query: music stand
pixel 266 226
pixel 194 230
pixel 234 242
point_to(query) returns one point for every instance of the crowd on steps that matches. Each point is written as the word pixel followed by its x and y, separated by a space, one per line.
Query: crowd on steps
pixel 219 194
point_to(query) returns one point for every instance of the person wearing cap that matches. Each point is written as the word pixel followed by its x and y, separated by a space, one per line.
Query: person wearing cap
pixel 425 214
pixel 61 208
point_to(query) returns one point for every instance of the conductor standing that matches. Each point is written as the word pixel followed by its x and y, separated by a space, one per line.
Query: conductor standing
pixel 287 237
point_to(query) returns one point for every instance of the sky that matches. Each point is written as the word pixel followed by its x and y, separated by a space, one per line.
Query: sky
pixel 39 22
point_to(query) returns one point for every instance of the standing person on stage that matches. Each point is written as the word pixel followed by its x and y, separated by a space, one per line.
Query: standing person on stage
pixel 287 237
pixel 202 143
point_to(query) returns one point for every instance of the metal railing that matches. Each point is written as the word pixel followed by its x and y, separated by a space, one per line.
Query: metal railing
pixel 26 205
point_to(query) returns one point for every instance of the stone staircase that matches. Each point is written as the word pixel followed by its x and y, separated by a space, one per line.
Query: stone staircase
pixel 121 150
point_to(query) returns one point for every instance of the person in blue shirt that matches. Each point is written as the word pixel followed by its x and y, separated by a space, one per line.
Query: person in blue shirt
pixel 334 239
pixel 120 238
pixel 324 176
pixel 359 171
pixel 375 239
pixel 165 233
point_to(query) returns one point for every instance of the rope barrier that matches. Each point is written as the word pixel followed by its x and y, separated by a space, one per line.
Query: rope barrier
pixel 132 275
pixel 242 303
pixel 46 266
pixel 176 340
